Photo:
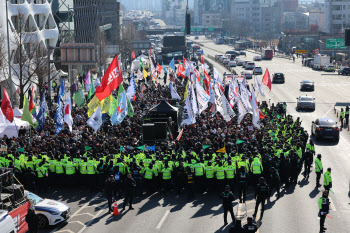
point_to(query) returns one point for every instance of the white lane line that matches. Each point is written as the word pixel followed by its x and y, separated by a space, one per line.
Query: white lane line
pixel 162 220
pixel 96 215
pixel 332 108
pixel 78 211
pixel 332 204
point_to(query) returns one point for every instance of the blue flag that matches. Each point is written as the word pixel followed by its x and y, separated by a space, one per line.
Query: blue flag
pixel 131 91
pixel 61 92
pixel 164 68
pixel 122 109
pixel 153 148
pixel 41 115
pixel 172 64
pixel 202 52
pixel 59 113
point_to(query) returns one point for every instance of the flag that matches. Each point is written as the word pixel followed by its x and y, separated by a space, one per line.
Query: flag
pixel 133 55
pixel 211 93
pixel 205 146
pixel 113 106
pixel 180 135
pixel 266 79
pixel 159 68
pixel 105 104
pixel 258 86
pixel 206 81
pixel 42 111
pixel 3 123
pixel 121 148
pixel 239 141
pixel 181 71
pixel 145 73
pixel 165 72
pixel 21 149
pixel 186 89
pixel 222 105
pixel 202 98
pixel 141 64
pixel 92 105
pixel 68 112
pixel 122 109
pixel 153 72
pixel 130 108
pixel 61 91
pixel 139 75
pixel 91 90
pixel 96 84
pixel 95 121
pixel 141 147
pixel 202 57
pixel 222 150
pixel 173 92
pixel 6 106
pixel 188 116
pixel 193 100
pixel 26 114
pixel 171 77
pixel 131 91
pixel 79 98
pixel 153 148
pixel 172 64
pixel 58 117
pixel 87 81
pixel 110 81
pixel 87 148
pixel 256 115
pixel 242 108
pixel 31 103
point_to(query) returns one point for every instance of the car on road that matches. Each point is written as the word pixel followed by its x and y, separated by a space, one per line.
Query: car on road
pixel 247 74
pixel 217 56
pixel 232 64
pixel 257 58
pixel 307 85
pixel 221 58
pixel 250 66
pixel 233 53
pixel 325 128
pixel 278 78
pixel 257 70
pixel 344 70
pixel 306 102
pixel 225 61
pixel 196 38
pixel 240 63
pixel 50 212
pixel 245 63
pixel 329 68
pixel 242 53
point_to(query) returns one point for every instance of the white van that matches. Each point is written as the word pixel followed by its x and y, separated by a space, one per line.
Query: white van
pixel 7 224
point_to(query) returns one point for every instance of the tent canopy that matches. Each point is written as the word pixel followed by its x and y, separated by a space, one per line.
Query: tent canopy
pixel 11 129
pixel 163 108
pixel 17 112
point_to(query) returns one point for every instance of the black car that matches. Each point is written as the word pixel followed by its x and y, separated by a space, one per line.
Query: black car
pixel 344 71
pixel 325 128
pixel 278 78
pixel 307 85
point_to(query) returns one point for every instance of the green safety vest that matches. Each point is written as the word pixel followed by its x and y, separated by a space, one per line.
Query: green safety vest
pixel 148 173
pixel 198 169
pixel 90 168
pixel 166 173
pixel 256 167
pixel 220 173
pixel 30 164
pixel 230 172
pixel 342 114
pixel 318 165
pixel 209 172
pixel 41 171
pixel 70 168
pixel 83 168
pixel 327 178
pixel 59 168
pixel 18 164
pixel 52 166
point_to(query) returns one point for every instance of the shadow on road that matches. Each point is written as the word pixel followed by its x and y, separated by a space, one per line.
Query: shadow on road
pixel 314 193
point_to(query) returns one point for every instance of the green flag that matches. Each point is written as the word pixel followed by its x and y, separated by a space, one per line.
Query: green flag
pixel 141 147
pixel 202 80
pixel 239 141
pixel 141 63
pixel 130 108
pixel 27 116
pixel 21 150
pixel 278 116
pixel 186 90
pixel 112 107
pixel 79 98
pixel 205 146
pixel 121 148
pixel 92 89
pixel 87 147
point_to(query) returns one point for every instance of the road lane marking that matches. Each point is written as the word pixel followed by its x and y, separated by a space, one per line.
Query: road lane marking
pixel 163 219
pixel 328 111
pixel 96 215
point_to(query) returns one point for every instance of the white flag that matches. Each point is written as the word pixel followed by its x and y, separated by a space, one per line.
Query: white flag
pixel 211 93
pixel 173 92
pixel 217 76
pixel 68 112
pixel 202 98
pixel 231 95
pixel 188 116
pixel 258 86
pixel 256 115
pixel 139 74
pixel 97 83
pixel 95 121
pixel 222 105
pixel 245 97
pixel 3 124
pixel 242 108
pixel 193 100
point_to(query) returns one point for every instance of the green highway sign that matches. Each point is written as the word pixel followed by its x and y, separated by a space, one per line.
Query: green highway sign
pixel 210 29
pixel 199 29
pixel 182 29
pixel 335 43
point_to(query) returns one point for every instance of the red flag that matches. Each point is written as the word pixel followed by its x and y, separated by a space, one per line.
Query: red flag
pixel 180 134
pixel 202 59
pixel 31 102
pixel 206 81
pixel 159 67
pixel 110 81
pixel 261 115
pixel 181 71
pixel 133 55
pixel 171 77
pixel 266 79
pixel 197 75
pixel 6 106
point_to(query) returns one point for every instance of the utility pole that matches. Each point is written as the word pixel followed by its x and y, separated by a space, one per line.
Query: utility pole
pixel 8 50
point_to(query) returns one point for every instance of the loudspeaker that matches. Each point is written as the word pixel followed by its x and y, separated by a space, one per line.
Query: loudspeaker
pixel 160 130
pixel 188 24
pixel 148 132
pixel 347 37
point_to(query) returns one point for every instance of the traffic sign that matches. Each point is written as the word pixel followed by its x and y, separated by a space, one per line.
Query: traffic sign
pixel 182 29
pixel 301 51
pixel 335 43
pixel 210 29
pixel 317 51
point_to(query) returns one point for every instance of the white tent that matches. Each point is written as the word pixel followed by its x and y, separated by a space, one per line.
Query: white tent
pixel 11 129
pixel 17 112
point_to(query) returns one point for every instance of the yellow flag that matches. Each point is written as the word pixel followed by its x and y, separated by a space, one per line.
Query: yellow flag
pixel 145 73
pixel 93 105
pixel 222 150
pixel 186 90
pixel 106 103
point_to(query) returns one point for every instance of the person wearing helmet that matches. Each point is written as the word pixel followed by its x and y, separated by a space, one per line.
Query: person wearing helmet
pixel 243 177
pixel 261 194
pixel 250 226
pixel 307 162
pixel 327 179
pixel 323 204
pixel 318 169
pixel 227 199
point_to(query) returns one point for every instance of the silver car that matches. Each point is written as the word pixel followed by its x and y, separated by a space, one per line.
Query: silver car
pixel 247 74
pixel 306 102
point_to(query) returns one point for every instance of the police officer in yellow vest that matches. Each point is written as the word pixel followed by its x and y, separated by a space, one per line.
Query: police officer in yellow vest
pixel 52 171
pixel 342 116
pixel 83 171
pixel 327 179
pixel 59 172
pixel 209 175
pixel 347 115
pixel 230 172
pixel 220 176
pixel 70 173
pixel 318 169
pixel 91 174
pixel 42 177
pixel 256 168
pixel 199 174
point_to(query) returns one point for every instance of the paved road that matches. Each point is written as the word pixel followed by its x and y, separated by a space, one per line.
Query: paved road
pixel 296 211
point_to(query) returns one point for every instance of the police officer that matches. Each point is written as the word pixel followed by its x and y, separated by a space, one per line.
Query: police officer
pixel 135 171
pixel 274 181
pixel 261 193
pixel 33 221
pixel 347 115
pixel 242 179
pixel 342 116
pixel 227 199
pixel 101 173
pixel 323 205
pixel 318 169
pixel 109 188
pixel 307 162
pixel 118 177
pixel 250 226
pixel 129 186
pixel 327 179
pixel 189 182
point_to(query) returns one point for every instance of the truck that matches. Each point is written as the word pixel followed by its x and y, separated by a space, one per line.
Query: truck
pixel 267 54
pixel 321 61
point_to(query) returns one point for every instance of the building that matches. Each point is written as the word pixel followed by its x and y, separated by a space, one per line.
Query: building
pixel 32 27
pixel 154 5
pixel 212 19
pixel 88 14
pixel 173 12
pixel 337 16
pixel 289 5
pixel 295 21
pixel 63 14
pixel 317 19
